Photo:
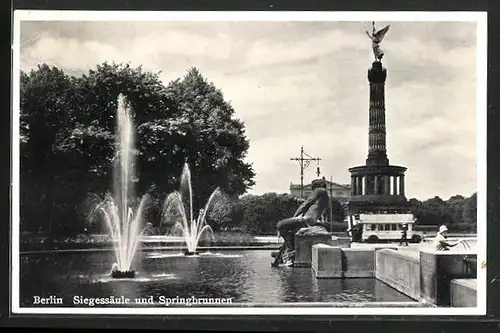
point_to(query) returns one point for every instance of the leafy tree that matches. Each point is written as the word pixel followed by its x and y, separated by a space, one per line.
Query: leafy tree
pixel 454 205
pixel 469 210
pixel 456 211
pixel 47 111
pixel 338 211
pixel 224 213
pixel 98 91
pixel 214 142
pixel 261 213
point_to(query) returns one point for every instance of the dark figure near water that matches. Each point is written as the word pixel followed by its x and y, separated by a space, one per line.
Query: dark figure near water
pixel 404 234
pixel 357 233
pixel 309 214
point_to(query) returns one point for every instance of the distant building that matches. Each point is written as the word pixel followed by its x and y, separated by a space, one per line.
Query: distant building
pixel 340 192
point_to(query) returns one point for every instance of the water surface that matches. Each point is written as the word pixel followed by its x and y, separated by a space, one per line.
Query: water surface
pixel 242 276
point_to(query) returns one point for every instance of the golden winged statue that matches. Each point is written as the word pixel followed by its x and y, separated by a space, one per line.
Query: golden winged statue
pixel 377 37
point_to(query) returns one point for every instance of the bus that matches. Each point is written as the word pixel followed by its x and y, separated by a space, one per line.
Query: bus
pixel 376 228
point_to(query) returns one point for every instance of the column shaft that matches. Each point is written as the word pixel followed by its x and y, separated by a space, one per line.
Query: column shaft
pixel 394 185
pixel 402 185
pixel 353 185
pixel 387 185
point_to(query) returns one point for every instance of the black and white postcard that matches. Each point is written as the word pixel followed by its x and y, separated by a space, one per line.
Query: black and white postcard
pixel 260 163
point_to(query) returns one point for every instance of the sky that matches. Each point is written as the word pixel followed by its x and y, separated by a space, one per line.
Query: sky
pixel 305 84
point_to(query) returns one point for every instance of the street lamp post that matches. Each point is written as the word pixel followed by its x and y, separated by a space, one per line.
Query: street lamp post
pixel 304 161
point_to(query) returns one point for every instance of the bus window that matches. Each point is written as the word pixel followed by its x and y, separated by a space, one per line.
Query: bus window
pixel 374 227
pixel 368 227
pixel 394 227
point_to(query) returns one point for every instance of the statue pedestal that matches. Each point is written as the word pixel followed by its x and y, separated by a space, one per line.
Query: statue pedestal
pixel 303 247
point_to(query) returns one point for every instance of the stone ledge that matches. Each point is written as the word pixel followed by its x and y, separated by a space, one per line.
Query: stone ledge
pixel 463 292
pixel 437 270
pixel 327 261
pixel 325 305
pixel 467 283
pixel 358 263
pixel 404 254
pixel 335 262
pixel 358 274
pixel 343 242
pixel 400 271
pixel 303 247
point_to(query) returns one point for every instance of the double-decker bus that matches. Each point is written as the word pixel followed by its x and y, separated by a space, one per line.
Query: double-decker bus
pixel 375 228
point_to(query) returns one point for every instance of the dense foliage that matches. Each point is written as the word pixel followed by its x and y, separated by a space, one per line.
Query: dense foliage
pixel 458 213
pixel 67 146
pixel 258 214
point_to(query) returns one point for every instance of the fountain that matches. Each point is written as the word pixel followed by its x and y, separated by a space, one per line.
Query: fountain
pixel 178 206
pixel 123 224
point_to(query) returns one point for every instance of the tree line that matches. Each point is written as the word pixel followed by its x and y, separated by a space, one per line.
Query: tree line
pixel 258 214
pixel 459 213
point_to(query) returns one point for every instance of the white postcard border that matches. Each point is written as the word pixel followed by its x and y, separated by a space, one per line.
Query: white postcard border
pixel 52 15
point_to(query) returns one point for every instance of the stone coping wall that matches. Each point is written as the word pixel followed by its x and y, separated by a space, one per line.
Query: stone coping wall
pixel 437 270
pixel 304 245
pixel 400 270
pixel 358 263
pixel 463 292
pixel 327 261
pixel 336 262
pixel 423 276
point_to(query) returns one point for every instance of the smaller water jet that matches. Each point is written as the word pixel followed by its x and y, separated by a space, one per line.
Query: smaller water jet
pixel 178 206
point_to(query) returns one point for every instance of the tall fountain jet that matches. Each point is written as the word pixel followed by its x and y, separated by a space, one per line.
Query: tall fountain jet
pixel 124 225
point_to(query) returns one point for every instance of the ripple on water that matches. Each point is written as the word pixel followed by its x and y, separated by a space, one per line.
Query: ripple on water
pixel 105 278
pixel 157 255
pixel 220 255
pixel 203 254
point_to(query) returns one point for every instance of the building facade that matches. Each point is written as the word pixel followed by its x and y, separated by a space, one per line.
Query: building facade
pixel 337 191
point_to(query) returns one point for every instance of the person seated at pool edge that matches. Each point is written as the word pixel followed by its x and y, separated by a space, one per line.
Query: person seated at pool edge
pixel 308 214
pixel 440 242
